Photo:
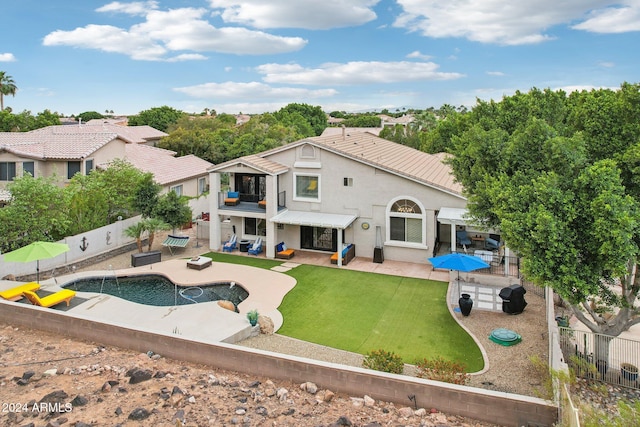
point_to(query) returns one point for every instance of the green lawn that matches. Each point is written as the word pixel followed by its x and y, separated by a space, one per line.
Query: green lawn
pixel 360 312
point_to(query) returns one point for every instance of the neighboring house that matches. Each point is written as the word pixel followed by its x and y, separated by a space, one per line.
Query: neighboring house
pixel 349 130
pixel 187 175
pixel 322 192
pixel 43 154
pixel 69 149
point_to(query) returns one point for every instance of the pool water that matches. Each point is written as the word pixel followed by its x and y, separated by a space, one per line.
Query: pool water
pixel 153 289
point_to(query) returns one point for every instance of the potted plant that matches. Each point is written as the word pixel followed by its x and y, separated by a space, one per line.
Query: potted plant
pixel 629 371
pixel 253 317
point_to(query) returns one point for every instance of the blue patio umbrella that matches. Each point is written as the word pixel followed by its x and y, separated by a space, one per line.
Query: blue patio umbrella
pixel 458 262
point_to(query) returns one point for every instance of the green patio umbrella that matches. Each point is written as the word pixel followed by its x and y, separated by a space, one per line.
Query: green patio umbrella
pixel 35 252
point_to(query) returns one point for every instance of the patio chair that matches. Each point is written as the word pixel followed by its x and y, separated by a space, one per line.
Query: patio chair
pixel 283 252
pixel 230 244
pixel 463 239
pixel 15 294
pixel 56 298
pixel 256 248
pixel 232 199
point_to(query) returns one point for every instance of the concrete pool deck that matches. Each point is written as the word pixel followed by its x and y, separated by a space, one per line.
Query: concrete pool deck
pixel 202 321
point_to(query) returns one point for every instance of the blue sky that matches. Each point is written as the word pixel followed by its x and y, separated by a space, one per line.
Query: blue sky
pixel 254 56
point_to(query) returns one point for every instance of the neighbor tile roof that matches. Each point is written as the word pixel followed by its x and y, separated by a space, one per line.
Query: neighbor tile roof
pixel 43 146
pixel 165 168
pixel 131 134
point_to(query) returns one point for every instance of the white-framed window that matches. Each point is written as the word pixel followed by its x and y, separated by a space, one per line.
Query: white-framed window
pixel 348 182
pixel 406 222
pixel 308 151
pixel 306 187
pixel 29 168
pixel 177 189
pixel 255 227
pixel 73 167
pixel 202 185
pixel 7 171
pixel 88 166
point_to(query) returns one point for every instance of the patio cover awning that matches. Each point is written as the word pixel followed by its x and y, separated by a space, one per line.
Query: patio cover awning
pixel 314 219
pixel 453 216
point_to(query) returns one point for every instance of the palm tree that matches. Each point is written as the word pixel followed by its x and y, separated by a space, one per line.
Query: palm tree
pixel 152 226
pixel 136 231
pixel 7 87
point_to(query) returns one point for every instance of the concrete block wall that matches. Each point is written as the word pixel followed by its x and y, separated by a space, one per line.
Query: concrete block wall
pixel 489 406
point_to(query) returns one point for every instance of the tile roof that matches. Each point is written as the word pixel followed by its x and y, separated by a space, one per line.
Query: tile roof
pixel 396 158
pixel 131 134
pixel 166 168
pixel 43 146
pixel 365 147
pixel 256 161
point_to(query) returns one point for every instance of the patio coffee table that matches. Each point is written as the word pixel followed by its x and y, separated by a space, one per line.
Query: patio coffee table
pixel 199 263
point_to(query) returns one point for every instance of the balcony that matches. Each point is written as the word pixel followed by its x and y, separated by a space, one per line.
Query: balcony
pixel 249 203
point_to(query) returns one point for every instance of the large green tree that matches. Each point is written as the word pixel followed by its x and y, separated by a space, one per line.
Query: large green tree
pixel 7 87
pixel 173 209
pixel 314 116
pixel 561 182
pixel 159 118
pixel 38 211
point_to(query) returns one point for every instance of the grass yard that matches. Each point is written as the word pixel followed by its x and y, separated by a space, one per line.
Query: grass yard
pixel 360 311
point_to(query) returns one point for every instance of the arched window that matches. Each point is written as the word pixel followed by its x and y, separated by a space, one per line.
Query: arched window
pixel 406 222
pixel 308 152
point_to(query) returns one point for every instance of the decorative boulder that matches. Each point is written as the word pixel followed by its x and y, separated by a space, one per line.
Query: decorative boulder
pixel 266 325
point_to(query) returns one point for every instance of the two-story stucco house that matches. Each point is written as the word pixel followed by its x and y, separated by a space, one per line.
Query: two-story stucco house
pixel 322 192
pixel 65 150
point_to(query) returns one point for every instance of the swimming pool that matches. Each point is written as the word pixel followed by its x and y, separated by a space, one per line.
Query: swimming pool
pixel 157 290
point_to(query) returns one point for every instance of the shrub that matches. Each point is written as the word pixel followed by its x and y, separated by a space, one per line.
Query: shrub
pixel 439 369
pixel 384 361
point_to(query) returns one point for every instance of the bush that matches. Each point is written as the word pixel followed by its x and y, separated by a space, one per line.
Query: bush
pixel 384 361
pixel 443 370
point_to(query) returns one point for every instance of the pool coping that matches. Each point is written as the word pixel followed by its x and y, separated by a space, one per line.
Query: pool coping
pixel 204 321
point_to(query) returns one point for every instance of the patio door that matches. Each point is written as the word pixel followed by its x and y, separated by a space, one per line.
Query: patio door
pixel 252 188
pixel 319 238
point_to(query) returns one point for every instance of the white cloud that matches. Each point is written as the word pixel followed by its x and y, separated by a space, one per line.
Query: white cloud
pixel 251 90
pixel 510 23
pixel 7 57
pixel 308 14
pixel 187 57
pixel 620 17
pixel 417 54
pixel 173 30
pixel 357 72
pixel 495 73
pixel 133 8
pixel 606 64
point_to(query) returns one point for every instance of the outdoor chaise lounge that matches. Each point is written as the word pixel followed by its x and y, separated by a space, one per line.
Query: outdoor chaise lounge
pixel 283 252
pixel 15 294
pixel 175 242
pixel 56 298
pixel 230 244
pixel 232 199
pixel 256 248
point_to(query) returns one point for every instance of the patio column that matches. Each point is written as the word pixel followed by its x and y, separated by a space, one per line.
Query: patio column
pixel 339 247
pixel 454 244
pixel 506 260
pixel 271 211
pixel 215 237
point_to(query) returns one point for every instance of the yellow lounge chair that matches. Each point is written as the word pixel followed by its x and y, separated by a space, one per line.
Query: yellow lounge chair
pixel 50 300
pixel 15 294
